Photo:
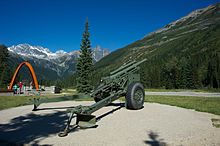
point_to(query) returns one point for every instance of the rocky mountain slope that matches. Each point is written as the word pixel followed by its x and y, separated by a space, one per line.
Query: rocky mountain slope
pixel 192 42
pixel 49 65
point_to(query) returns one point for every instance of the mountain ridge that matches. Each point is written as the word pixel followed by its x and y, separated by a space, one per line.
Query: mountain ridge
pixel 190 40
pixel 59 64
pixel 194 14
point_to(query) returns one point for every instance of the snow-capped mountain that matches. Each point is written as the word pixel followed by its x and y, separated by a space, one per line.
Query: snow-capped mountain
pixel 60 62
pixel 39 52
pixel 98 53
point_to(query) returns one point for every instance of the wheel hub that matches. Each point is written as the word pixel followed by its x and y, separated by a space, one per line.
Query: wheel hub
pixel 138 96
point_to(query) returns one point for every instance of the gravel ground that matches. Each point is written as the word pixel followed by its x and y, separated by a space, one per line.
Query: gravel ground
pixel 184 93
pixel 154 125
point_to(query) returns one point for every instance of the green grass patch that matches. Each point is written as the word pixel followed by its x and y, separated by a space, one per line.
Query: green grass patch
pixel 216 123
pixel 181 90
pixel 203 104
pixel 164 90
pixel 15 101
pixel 66 98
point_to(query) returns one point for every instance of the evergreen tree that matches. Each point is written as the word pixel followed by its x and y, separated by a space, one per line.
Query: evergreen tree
pixel 212 79
pixel 84 63
pixel 3 66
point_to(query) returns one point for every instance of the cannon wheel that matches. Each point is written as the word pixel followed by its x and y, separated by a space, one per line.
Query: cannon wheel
pixel 135 96
pixel 98 98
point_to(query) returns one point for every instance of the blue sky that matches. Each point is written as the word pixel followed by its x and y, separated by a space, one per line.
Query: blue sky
pixel 58 24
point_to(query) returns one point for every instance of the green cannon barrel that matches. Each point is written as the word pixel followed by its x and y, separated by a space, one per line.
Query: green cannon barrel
pixel 126 68
pixel 122 68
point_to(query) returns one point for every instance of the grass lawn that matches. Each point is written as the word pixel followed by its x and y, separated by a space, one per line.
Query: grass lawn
pixel 203 104
pixel 180 90
pixel 14 101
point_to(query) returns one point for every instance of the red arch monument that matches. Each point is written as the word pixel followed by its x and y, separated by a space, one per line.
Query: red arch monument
pixel 31 69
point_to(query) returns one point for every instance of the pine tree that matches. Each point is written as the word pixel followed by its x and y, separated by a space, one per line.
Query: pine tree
pixel 212 78
pixel 85 63
pixel 3 66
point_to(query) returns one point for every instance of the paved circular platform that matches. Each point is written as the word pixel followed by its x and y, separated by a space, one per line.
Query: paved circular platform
pixel 155 124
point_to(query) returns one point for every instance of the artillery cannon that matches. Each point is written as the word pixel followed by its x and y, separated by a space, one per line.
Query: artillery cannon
pixel 124 81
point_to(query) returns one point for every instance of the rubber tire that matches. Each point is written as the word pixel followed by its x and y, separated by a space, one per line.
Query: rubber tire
pixel 97 98
pixel 130 101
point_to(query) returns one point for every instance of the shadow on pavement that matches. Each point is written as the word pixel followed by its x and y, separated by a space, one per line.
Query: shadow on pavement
pixel 118 105
pixel 154 140
pixel 31 128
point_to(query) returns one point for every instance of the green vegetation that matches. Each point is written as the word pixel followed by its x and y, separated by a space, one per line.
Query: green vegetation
pixel 4 69
pixel 211 90
pixel 203 104
pixel 216 123
pixel 164 90
pixel 84 63
pixel 13 101
pixel 186 56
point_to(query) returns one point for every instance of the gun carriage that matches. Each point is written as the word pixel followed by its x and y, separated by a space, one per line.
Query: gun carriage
pixel 124 81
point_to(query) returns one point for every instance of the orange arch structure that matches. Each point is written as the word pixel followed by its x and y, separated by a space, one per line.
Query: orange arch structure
pixel 31 69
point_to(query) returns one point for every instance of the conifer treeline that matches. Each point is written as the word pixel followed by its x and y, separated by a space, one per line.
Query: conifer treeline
pixel 184 73
pixel 4 69
pixel 191 61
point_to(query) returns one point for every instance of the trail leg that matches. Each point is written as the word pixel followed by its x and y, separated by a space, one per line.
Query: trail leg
pixel 35 108
pixel 66 130
pixel 36 102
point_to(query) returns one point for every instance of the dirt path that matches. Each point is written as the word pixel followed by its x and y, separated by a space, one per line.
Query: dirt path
pixel 185 93
pixel 155 124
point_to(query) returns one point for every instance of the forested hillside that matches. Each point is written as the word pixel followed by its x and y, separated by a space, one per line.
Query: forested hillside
pixel 183 54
